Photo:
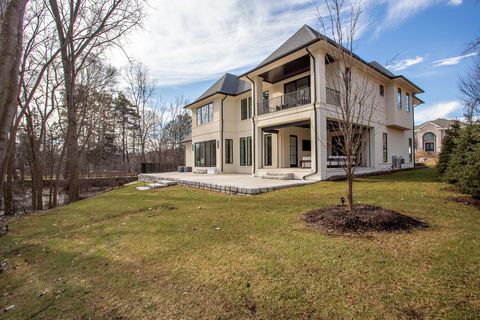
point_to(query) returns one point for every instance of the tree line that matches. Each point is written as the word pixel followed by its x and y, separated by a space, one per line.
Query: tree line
pixel 66 113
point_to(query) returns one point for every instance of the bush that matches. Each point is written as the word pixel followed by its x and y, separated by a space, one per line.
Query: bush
pixel 448 145
pixel 463 168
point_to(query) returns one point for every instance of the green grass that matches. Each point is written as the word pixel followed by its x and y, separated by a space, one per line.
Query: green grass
pixel 182 253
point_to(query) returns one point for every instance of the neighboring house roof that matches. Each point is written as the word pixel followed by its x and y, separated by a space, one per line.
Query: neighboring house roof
pixel 228 84
pixel 440 122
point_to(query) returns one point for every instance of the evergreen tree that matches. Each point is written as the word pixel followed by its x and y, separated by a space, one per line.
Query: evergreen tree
pixel 448 145
pixel 464 165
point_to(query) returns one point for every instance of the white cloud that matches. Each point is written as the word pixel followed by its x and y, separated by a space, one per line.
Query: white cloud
pixel 445 109
pixel 405 63
pixel 192 40
pixel 455 2
pixel 186 41
pixel 453 60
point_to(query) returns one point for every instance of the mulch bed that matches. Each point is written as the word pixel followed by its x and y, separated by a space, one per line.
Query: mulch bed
pixel 362 219
pixel 468 200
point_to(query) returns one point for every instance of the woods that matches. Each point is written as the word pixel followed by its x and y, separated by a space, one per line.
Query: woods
pixel 67 113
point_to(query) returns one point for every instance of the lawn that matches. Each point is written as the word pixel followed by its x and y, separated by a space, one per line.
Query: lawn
pixel 183 253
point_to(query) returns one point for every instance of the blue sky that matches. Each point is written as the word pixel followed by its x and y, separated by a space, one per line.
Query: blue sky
pixel 188 44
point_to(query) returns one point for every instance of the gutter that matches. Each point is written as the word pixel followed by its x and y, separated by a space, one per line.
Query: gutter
pixel 253 121
pixel 315 115
pixel 221 135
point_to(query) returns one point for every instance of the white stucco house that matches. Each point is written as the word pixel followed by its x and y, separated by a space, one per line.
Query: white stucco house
pixel 273 119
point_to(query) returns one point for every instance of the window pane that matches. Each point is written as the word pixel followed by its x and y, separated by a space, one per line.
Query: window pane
pixel 267 150
pixel 399 98
pixel 249 151
pixel 243 109
pixel 242 151
pixel 385 148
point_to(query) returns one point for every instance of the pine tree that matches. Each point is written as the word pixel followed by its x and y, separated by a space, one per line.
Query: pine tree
pixel 448 145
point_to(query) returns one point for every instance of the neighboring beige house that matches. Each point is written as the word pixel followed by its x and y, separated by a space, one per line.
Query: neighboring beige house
pixel 429 135
pixel 273 119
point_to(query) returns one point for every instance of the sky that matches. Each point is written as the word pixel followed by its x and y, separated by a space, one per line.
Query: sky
pixel 187 44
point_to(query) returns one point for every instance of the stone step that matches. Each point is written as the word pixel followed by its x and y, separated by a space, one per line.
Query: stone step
pixel 278 176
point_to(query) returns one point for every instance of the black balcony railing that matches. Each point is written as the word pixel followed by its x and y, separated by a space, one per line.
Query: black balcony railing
pixel 290 100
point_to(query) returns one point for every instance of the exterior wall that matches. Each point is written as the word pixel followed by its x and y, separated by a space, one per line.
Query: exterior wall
pixel 426 128
pixel 387 118
pixel 188 154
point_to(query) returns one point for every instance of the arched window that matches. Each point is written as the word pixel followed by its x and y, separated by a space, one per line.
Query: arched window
pixel 429 140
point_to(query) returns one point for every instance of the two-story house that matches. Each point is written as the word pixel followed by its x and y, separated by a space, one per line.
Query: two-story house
pixel 275 118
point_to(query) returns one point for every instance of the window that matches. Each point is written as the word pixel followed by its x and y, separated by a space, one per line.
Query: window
pixel 228 151
pixel 407 102
pixel 267 150
pixel 206 154
pixel 246 151
pixel 430 146
pixel 382 90
pixel 399 98
pixel 410 149
pixel 306 145
pixel 266 95
pixel 385 147
pixel 204 114
pixel 246 108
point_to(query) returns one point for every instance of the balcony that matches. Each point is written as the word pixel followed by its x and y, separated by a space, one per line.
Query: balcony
pixel 290 100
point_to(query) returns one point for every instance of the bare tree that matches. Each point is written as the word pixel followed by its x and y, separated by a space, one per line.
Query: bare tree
pixel 140 90
pixel 470 85
pixel 85 28
pixel 11 36
pixel 351 88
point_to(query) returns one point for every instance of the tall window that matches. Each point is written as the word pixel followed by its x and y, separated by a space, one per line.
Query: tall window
pixel 246 108
pixel 204 114
pixel 410 149
pixel 385 147
pixel 382 90
pixel 267 150
pixel 228 151
pixel 246 151
pixel 399 98
pixel 206 153
pixel 407 102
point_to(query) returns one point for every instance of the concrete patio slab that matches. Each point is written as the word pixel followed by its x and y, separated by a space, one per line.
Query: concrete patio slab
pixel 241 184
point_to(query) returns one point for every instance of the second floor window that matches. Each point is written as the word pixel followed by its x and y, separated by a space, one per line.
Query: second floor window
pixel 399 98
pixel 204 114
pixel 407 102
pixel 382 90
pixel 246 108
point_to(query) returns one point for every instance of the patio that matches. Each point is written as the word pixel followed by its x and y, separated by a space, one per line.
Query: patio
pixel 241 184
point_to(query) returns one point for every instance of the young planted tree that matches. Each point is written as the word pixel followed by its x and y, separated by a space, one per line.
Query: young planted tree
pixel 351 89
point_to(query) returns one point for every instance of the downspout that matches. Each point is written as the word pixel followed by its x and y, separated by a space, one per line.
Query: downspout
pixel 413 132
pixel 221 135
pixel 253 121
pixel 314 116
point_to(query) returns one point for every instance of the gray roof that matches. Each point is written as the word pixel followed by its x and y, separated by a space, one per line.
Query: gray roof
pixel 228 84
pixel 444 123
pixel 299 39
pixel 305 36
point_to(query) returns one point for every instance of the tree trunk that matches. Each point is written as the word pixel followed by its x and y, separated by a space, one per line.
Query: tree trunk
pixel 11 34
pixel 9 207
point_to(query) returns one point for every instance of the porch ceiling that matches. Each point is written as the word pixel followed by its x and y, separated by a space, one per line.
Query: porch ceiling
pixel 290 69
pixel 300 124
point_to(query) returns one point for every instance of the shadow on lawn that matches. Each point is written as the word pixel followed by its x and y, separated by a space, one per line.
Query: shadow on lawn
pixel 424 175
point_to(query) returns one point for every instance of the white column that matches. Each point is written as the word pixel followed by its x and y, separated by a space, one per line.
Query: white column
pixel 321 129
pixel 258 141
